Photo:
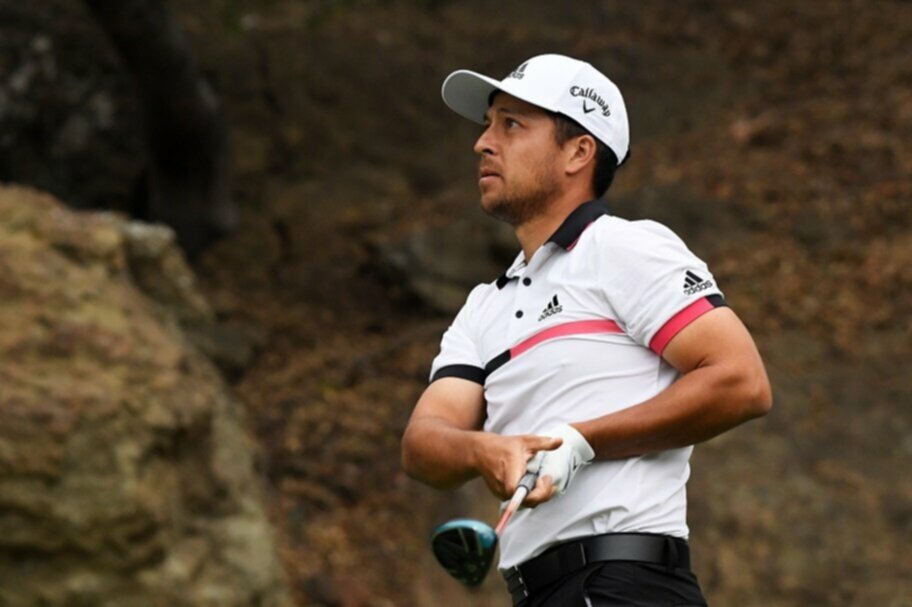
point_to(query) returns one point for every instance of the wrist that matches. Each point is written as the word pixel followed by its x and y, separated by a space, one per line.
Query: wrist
pixel 562 464
pixel 476 449
pixel 576 441
pixel 582 430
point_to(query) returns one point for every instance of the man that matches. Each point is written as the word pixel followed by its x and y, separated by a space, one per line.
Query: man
pixel 598 359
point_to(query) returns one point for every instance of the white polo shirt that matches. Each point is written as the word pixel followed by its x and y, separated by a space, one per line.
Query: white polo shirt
pixel 577 333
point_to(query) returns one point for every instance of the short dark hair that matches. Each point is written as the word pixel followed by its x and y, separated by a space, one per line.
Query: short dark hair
pixel 606 161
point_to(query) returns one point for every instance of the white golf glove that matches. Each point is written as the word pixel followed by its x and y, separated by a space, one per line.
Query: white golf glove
pixel 562 463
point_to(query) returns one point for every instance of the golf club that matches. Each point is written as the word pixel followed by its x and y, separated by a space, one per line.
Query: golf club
pixel 466 547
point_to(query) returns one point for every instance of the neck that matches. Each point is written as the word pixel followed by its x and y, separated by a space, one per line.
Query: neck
pixel 534 232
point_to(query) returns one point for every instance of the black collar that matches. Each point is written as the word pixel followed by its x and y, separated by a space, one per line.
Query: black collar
pixel 502 281
pixel 577 221
pixel 571 229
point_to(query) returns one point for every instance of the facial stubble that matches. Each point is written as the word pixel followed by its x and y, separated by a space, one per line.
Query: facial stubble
pixel 518 206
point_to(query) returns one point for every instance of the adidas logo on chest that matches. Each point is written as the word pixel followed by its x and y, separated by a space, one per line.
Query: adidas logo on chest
pixel 551 309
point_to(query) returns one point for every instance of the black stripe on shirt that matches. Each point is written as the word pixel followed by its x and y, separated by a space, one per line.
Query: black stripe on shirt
pixel 497 362
pixel 716 300
pixel 468 372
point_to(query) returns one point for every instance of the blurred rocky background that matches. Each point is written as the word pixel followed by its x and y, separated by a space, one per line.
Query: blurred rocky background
pixel 156 418
pixel 127 476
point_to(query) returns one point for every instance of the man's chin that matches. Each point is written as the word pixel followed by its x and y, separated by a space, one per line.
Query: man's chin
pixel 499 209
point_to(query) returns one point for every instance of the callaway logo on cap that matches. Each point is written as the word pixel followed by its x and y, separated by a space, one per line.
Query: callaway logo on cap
pixel 556 83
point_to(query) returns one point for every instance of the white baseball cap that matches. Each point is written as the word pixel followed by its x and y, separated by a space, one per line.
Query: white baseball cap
pixel 553 82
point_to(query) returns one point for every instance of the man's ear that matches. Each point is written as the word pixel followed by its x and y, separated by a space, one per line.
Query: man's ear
pixel 579 152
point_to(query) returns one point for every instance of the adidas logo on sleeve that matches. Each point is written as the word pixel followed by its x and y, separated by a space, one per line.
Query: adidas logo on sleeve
pixel 695 284
pixel 551 309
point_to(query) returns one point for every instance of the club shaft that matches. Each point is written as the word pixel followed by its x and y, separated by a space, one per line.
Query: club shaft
pixel 525 486
pixel 509 510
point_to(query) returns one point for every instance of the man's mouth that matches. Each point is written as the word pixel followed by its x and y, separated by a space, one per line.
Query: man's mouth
pixel 487 174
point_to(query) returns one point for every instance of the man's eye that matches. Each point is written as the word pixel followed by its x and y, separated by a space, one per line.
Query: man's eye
pixel 511 123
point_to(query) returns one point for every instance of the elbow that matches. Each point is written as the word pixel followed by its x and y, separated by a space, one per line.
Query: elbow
pixel 747 392
pixel 418 466
pixel 413 463
pixel 414 469
pixel 408 458
pixel 758 397
pixel 411 466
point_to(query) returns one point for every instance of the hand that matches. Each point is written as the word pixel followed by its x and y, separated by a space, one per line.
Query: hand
pixel 502 460
pixel 560 465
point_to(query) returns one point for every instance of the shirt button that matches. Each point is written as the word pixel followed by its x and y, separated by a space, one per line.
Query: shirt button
pixel 519 314
pixel 527 281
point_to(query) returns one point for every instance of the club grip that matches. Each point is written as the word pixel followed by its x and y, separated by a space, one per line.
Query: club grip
pixel 528 481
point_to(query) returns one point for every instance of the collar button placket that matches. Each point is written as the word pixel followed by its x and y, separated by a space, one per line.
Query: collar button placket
pixel 520 309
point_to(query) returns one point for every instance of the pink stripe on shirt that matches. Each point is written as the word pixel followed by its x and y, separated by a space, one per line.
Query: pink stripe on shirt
pixel 677 323
pixel 579 327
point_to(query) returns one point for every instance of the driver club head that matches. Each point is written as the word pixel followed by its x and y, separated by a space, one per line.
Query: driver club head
pixel 465 548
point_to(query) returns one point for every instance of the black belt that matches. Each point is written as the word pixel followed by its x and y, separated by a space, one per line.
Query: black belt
pixel 568 557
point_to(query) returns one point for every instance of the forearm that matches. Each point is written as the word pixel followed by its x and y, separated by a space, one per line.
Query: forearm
pixel 443 453
pixel 700 405
pixel 439 454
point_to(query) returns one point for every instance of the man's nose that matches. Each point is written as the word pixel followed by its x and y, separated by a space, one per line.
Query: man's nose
pixel 484 144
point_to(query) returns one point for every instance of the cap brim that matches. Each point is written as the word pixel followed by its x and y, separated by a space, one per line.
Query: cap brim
pixel 467 93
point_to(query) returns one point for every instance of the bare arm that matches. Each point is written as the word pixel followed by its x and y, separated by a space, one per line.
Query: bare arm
pixel 437 447
pixel 444 445
pixel 723 384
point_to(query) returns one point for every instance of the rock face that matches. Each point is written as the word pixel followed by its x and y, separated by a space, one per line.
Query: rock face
pixel 126 475
pixel 438 266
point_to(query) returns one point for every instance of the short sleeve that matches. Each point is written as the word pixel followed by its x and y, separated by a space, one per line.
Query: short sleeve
pixel 458 355
pixel 654 283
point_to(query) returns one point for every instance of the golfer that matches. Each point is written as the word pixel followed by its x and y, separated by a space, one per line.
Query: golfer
pixel 601 355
